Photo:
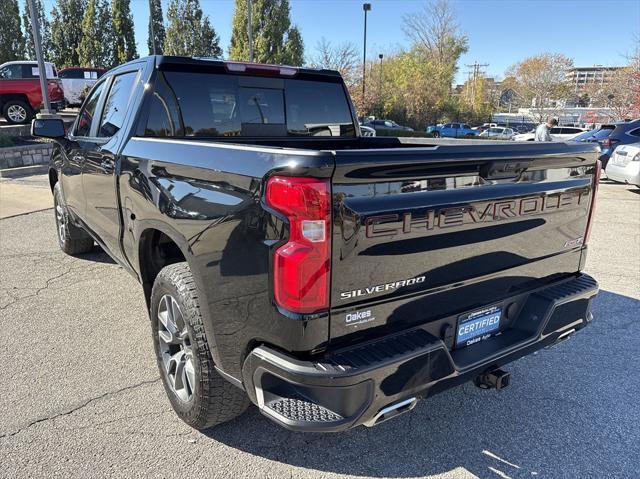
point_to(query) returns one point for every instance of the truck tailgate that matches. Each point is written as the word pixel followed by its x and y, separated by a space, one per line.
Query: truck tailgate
pixel 419 233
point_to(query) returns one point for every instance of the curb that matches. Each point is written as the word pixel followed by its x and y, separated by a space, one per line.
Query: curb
pixel 23 171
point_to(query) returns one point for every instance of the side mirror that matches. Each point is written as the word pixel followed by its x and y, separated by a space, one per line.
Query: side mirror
pixel 48 128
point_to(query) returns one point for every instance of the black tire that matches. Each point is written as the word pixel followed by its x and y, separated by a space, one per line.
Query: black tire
pixel 14 107
pixel 72 239
pixel 213 400
pixel 436 134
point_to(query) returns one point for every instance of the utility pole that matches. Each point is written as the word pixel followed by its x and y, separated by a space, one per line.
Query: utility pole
pixel 153 34
pixel 367 8
pixel 35 28
pixel 473 76
pixel 250 31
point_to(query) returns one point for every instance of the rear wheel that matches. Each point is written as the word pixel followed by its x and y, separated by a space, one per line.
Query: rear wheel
pixel 198 394
pixel 436 134
pixel 17 112
pixel 71 239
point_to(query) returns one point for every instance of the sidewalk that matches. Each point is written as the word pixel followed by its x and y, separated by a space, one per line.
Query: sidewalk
pixel 24 195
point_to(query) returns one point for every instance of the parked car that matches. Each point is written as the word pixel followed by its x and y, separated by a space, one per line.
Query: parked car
pixel 624 165
pixel 76 80
pixel 432 128
pixel 452 130
pixel 558 133
pixel 20 93
pixel 585 136
pixel 498 133
pixel 331 279
pixel 387 125
pixel 613 135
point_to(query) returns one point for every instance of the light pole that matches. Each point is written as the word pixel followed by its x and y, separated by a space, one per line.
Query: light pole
pixel 35 28
pixel 153 35
pixel 250 31
pixel 366 7
pixel 380 56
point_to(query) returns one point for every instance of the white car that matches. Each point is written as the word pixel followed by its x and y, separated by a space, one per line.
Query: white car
pixel 77 81
pixel 558 133
pixel 498 133
pixel 624 165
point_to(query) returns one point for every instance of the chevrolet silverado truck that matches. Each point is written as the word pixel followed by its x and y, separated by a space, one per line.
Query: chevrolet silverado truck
pixel 331 279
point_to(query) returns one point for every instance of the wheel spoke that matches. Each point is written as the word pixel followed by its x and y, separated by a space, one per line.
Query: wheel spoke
pixel 190 374
pixel 175 348
pixel 179 375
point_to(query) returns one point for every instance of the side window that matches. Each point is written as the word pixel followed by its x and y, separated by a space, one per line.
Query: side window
pixel 11 72
pixel 635 132
pixel 164 114
pixel 455 126
pixel 86 116
pixel 466 127
pixel 555 131
pixel 71 73
pixel 115 108
pixel 447 125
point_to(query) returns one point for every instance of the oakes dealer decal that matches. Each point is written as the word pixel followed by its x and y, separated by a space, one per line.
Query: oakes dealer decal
pixel 381 288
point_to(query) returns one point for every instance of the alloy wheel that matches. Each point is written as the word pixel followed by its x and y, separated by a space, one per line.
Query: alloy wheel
pixel 61 223
pixel 176 348
pixel 17 113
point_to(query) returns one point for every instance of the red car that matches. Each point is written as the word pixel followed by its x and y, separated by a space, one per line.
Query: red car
pixel 20 94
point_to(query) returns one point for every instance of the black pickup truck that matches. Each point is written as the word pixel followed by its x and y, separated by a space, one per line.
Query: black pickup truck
pixel 331 279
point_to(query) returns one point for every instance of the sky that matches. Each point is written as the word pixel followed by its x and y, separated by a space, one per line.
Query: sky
pixel 500 32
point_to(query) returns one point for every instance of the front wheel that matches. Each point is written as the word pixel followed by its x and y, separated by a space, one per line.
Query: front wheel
pixel 71 239
pixel 17 112
pixel 436 134
pixel 198 394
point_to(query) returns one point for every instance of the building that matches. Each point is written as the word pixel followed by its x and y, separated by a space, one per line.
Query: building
pixel 580 77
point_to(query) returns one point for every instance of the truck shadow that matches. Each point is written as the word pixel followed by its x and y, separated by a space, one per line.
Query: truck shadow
pixel 565 413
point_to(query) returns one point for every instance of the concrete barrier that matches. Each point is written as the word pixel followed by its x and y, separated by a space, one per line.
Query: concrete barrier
pixel 25 155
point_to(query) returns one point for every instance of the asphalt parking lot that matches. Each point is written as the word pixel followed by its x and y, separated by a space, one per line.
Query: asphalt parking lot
pixel 82 398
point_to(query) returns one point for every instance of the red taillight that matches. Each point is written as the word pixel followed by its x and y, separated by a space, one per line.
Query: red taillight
pixel 594 195
pixel 608 142
pixel 301 267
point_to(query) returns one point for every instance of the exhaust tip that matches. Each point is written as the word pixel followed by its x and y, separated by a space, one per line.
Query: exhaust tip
pixel 392 411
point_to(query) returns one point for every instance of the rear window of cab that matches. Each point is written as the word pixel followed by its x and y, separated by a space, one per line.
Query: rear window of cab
pixel 184 104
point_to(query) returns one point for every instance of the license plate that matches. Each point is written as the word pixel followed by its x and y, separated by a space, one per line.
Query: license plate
pixel 478 325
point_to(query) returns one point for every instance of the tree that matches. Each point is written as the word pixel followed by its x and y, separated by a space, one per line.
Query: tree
pixel 123 36
pixel 67 15
pixel 342 57
pixel 45 32
pixel 90 46
pixel 11 39
pixel 435 31
pixel 275 40
pixel 105 25
pixel 620 93
pixel 541 82
pixel 189 31
pixel 156 28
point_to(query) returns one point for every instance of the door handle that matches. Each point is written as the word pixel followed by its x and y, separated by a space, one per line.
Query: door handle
pixel 107 165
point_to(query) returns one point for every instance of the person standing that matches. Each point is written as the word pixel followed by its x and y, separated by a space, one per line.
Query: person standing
pixel 542 132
